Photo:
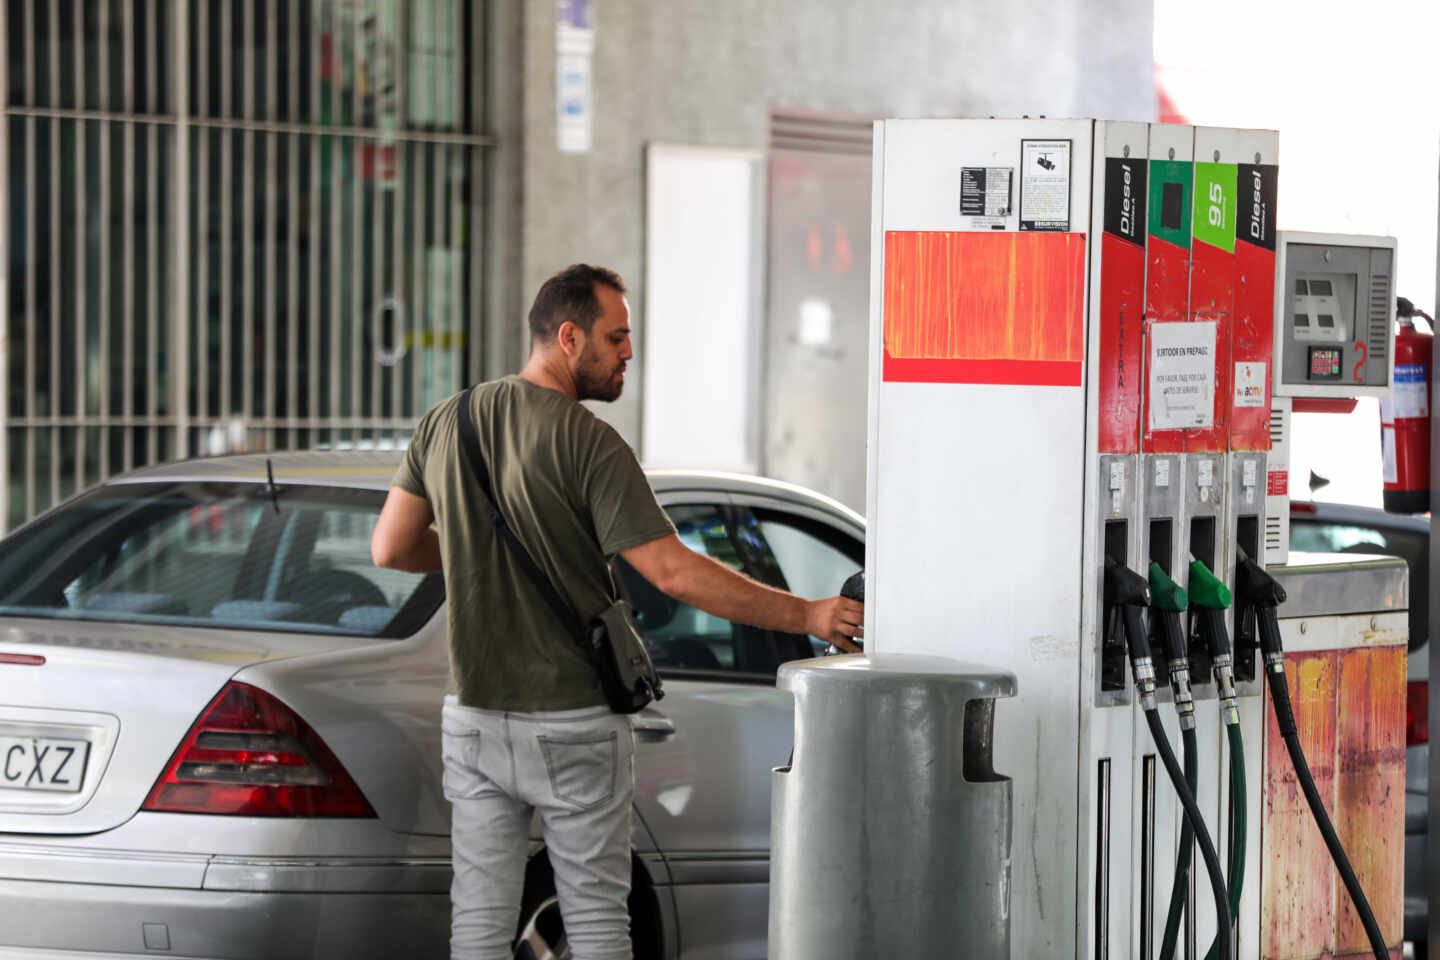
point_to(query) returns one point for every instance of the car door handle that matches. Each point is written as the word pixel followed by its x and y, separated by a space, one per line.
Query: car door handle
pixel 652 727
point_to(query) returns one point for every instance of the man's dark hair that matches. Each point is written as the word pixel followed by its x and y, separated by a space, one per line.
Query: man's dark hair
pixel 570 295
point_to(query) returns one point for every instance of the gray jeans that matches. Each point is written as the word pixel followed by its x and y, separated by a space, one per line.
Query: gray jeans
pixel 576 768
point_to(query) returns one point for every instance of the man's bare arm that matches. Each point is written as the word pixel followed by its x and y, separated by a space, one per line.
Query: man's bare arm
pixel 698 580
pixel 405 537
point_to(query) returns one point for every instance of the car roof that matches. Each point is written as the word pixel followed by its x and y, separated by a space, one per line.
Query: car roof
pixel 374 469
pixel 1349 513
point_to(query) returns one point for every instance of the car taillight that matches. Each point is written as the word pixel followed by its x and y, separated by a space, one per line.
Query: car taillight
pixel 250 755
pixel 1417 713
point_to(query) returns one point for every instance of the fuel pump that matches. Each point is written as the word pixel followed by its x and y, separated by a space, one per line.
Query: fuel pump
pixel 1109 286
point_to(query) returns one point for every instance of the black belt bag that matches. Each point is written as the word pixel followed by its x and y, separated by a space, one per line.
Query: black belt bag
pixel 611 641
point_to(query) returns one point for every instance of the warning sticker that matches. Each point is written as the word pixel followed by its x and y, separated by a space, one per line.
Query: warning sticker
pixel 1250 384
pixel 1182 375
pixel 1387 453
pixel 985 195
pixel 1045 185
pixel 1277 483
pixel 1410 391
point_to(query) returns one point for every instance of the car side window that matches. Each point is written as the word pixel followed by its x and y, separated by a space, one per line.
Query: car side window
pixel 1335 538
pixel 814 558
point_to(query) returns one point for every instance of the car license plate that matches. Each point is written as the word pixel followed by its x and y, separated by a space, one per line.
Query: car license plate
pixel 42 763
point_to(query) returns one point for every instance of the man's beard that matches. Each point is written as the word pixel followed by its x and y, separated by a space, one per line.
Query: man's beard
pixel 593 381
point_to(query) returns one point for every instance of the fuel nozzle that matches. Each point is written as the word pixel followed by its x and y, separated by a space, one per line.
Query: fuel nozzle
pixel 1128 592
pixel 1210 598
pixel 852 589
pixel 1168 601
pixel 1262 593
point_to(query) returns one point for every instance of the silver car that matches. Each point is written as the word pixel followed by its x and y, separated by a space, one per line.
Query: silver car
pixel 220 736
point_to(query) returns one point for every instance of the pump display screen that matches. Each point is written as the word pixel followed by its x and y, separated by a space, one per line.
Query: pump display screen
pixel 1324 307
pixel 1325 363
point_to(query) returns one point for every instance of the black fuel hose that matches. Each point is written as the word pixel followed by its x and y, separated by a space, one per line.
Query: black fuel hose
pixel 1259 590
pixel 1131 592
pixel 1168 601
pixel 1181 885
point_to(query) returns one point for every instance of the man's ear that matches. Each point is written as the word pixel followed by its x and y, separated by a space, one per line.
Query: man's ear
pixel 571 339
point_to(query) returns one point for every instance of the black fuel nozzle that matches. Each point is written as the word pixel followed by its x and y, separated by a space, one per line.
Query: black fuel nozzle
pixel 1129 593
pixel 1257 591
pixel 852 589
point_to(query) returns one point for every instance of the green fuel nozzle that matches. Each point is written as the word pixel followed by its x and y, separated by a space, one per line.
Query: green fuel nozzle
pixel 1168 600
pixel 1166 594
pixel 1210 598
pixel 1206 589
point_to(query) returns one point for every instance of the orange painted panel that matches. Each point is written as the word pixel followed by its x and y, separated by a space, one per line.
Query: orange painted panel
pixel 1297 899
pixel 1350 710
pixel 984 307
pixel 1370 791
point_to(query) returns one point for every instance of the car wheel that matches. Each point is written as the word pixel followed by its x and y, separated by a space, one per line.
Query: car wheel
pixel 542 934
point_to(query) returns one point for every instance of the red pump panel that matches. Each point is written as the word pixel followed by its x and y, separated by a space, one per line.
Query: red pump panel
pixel 1167 278
pixel 1252 334
pixel 1122 298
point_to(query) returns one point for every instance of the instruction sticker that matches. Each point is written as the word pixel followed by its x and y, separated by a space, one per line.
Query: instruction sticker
pixel 1045 185
pixel 1182 375
pixel 1205 473
pixel 985 195
pixel 1162 473
pixel 1250 384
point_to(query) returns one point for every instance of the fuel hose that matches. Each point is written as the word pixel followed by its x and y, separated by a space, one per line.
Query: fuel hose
pixel 1210 598
pixel 1168 602
pixel 1130 593
pixel 1261 592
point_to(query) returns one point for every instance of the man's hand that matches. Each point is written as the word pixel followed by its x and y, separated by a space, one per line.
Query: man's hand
pixel 835 620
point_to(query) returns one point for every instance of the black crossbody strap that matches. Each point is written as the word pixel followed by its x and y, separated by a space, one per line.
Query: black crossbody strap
pixel 470 443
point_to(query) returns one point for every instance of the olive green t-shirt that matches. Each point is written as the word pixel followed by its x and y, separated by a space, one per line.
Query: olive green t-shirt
pixel 574 494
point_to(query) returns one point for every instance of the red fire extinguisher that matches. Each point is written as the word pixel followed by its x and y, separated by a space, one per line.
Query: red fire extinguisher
pixel 1405 416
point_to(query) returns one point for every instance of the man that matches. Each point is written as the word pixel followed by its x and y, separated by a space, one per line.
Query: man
pixel 527 727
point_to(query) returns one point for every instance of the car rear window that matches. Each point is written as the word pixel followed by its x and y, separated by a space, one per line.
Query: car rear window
pixel 230 555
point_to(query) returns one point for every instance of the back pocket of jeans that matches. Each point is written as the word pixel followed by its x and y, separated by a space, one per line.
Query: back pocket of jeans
pixel 581 769
pixel 460 754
